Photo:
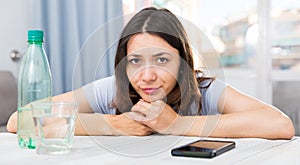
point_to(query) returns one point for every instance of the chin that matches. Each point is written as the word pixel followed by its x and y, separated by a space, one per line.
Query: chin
pixel 152 98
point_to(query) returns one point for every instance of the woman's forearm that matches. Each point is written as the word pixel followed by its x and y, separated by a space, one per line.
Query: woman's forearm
pixel 270 125
pixel 92 124
pixel 108 124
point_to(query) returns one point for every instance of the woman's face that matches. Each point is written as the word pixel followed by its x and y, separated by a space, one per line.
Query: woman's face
pixel 152 66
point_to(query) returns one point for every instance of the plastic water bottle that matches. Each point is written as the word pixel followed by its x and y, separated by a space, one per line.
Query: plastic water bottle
pixel 34 83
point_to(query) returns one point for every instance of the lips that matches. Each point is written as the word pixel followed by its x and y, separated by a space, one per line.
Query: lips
pixel 150 91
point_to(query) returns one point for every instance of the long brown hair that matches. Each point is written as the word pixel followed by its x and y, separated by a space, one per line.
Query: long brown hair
pixel 163 23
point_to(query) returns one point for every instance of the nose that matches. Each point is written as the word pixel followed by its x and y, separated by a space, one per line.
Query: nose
pixel 148 74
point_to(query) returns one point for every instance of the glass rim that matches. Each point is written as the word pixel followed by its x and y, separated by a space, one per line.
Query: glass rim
pixel 55 103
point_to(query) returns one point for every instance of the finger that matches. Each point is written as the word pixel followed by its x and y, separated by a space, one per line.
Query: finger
pixel 154 109
pixel 151 112
pixel 158 102
pixel 149 132
pixel 141 109
pixel 144 104
pixel 151 129
pixel 156 106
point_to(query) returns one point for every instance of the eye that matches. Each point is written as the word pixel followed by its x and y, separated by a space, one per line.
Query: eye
pixel 134 61
pixel 162 60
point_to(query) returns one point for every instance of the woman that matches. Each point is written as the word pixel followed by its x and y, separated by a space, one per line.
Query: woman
pixel 156 90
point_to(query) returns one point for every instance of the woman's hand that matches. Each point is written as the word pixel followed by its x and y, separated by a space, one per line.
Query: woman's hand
pixel 123 124
pixel 157 115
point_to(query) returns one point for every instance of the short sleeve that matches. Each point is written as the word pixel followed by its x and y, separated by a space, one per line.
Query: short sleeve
pixel 210 97
pixel 100 94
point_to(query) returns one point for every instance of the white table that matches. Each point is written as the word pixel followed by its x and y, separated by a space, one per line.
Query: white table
pixel 155 149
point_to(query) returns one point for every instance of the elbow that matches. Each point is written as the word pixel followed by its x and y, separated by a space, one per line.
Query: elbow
pixel 290 131
pixel 287 130
pixel 12 123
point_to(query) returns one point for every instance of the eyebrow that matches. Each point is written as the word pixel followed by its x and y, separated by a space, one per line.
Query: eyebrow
pixel 162 53
pixel 155 55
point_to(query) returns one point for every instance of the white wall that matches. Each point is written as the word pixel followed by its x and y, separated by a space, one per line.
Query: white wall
pixel 13 31
pixel 243 80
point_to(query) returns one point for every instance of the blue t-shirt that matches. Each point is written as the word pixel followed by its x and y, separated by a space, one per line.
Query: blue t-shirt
pixel 100 94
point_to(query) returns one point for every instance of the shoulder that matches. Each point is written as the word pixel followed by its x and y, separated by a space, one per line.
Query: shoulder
pixel 211 95
pixel 100 94
pixel 104 84
pixel 107 80
pixel 215 85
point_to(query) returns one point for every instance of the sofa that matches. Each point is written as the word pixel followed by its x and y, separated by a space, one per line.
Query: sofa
pixel 8 97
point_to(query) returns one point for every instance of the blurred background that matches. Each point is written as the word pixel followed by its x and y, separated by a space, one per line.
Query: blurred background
pixel 254 45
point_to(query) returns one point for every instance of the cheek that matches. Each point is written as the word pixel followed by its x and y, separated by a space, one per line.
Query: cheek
pixel 172 79
pixel 169 77
pixel 174 67
pixel 173 71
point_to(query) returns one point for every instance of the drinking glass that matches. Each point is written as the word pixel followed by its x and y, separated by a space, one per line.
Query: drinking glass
pixel 55 124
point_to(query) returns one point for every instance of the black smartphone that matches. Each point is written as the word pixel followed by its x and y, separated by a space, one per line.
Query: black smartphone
pixel 203 148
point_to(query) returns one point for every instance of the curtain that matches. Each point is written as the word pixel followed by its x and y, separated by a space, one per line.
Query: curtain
pixel 80 38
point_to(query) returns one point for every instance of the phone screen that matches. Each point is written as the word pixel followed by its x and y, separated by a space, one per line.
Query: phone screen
pixel 203 148
pixel 204 145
